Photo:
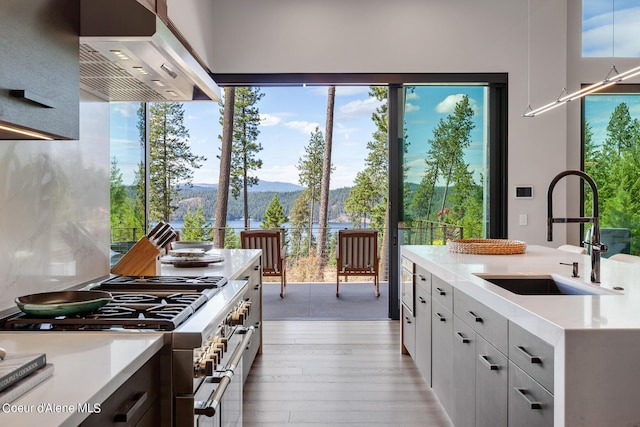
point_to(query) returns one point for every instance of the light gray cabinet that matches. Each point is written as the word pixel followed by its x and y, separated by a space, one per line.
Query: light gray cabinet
pixel 423 323
pixel 463 413
pixel 488 333
pixel 492 381
pixel 530 379
pixel 408 332
pixel 532 355
pixel 485 370
pixel 442 353
pixel 530 405
pixel 39 67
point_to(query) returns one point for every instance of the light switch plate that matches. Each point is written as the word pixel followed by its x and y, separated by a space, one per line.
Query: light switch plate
pixel 524 219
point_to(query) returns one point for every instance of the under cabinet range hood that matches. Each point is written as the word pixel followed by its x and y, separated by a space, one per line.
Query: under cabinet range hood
pixel 128 54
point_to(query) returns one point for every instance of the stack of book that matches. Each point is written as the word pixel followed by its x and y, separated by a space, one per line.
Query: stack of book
pixel 20 373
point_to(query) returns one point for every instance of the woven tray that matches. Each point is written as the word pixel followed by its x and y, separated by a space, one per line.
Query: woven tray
pixel 487 246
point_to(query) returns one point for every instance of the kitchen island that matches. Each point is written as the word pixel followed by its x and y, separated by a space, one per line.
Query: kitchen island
pixel 92 365
pixel 593 340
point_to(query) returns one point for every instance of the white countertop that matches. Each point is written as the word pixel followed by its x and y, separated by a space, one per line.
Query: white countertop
pixel 541 313
pixel 235 261
pixel 88 367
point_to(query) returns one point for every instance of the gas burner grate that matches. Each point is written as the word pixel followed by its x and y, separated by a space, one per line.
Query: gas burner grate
pixel 196 283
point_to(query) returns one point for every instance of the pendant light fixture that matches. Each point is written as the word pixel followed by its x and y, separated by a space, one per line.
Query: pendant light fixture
pixel 612 77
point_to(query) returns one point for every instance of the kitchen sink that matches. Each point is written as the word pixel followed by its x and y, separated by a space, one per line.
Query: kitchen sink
pixel 542 284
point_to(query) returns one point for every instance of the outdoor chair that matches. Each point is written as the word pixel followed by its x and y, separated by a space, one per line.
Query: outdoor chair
pixel 357 255
pixel 273 253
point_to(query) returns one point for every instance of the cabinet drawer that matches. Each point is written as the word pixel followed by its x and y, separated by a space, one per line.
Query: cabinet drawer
pixel 136 402
pixel 442 292
pixel 492 386
pixel 422 298
pixel 490 325
pixel 423 279
pixel 532 355
pixel 409 331
pixel 530 405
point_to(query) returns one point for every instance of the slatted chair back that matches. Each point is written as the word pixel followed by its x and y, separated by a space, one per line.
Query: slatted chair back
pixel 273 252
pixel 357 255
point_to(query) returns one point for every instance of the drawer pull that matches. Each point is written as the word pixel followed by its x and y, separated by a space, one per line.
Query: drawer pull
pixel 492 366
pixel 407 319
pixel 424 279
pixel 256 267
pixel 441 291
pixel 246 278
pixel 256 287
pixel 462 338
pixel 422 300
pixel 476 318
pixel 441 317
pixel 532 405
pixel 130 408
pixel 532 359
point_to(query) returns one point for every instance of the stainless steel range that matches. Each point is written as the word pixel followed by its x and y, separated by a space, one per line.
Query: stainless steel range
pixel 207 322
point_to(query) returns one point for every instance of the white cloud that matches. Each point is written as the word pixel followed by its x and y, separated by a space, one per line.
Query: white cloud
pixel 304 127
pixel 282 173
pixel 269 119
pixel 125 109
pixel 597 35
pixel 358 108
pixel 410 108
pixel 448 104
pixel 412 95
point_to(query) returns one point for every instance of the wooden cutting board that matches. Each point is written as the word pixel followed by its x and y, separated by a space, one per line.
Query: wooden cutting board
pixel 141 260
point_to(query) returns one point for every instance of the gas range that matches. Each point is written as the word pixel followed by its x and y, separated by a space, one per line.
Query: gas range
pixel 207 327
pixel 159 303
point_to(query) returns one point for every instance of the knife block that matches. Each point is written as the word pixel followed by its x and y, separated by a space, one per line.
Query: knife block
pixel 141 260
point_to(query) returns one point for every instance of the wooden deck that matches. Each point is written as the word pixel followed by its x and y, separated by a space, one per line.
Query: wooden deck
pixel 337 373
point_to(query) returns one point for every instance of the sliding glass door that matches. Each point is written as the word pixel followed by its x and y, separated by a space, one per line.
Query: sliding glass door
pixel 448 162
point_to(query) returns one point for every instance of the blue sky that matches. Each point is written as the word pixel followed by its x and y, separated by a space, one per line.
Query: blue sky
pixel 289 116
pixel 424 108
pixel 598 22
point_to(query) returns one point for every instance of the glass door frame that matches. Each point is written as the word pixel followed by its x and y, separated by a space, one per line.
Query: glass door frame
pixel 498 100
pixel 498 151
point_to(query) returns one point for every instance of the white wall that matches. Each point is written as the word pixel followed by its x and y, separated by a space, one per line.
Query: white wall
pixel 457 36
pixel 54 209
pixel 423 36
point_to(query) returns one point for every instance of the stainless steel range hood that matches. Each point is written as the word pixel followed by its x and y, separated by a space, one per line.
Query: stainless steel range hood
pixel 128 54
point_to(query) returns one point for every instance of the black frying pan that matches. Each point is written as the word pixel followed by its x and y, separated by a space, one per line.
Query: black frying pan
pixel 63 302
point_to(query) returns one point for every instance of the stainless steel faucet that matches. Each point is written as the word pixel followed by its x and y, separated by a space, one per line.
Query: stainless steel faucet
pixel 597 247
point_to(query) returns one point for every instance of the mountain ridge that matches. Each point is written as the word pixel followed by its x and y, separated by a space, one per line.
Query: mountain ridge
pixel 263 186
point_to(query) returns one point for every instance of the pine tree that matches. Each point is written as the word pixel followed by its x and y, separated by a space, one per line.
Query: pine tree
pixel 195 226
pixel 245 146
pixel 171 161
pixel 310 172
pixel 299 219
pixel 224 178
pixel 274 215
pixel 323 217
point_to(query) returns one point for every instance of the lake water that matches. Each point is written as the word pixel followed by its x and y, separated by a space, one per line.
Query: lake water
pixel 239 225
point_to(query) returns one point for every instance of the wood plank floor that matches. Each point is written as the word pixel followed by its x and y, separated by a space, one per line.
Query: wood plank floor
pixel 337 373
